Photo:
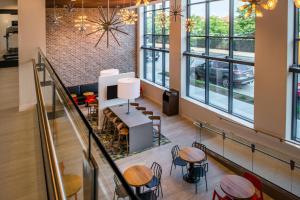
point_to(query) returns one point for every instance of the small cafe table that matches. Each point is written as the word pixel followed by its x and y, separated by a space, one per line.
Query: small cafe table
pixel 237 187
pixel 138 176
pixel 191 155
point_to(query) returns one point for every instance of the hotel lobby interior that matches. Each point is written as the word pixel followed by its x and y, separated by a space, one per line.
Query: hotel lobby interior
pixel 142 99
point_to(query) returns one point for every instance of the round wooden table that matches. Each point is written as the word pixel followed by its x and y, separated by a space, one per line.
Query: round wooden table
pixel 72 184
pixel 191 155
pixel 237 187
pixel 138 176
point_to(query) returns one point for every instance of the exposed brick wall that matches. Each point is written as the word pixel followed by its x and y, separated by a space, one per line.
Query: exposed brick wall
pixel 74 56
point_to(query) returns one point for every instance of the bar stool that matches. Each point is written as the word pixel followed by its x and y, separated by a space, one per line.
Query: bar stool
pixel 107 121
pixel 134 104
pixel 123 133
pixel 156 119
pixel 140 108
pixel 148 113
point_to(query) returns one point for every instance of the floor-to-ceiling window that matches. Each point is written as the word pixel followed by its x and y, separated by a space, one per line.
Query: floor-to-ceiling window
pixel 156 43
pixel 220 56
pixel 295 69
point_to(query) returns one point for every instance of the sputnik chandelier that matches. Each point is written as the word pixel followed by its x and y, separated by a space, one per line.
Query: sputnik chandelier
pixel 176 11
pixel 189 24
pixel 108 24
pixel 139 2
pixel 81 22
pixel 128 17
pixel 55 19
pixel 70 6
pixel 254 7
pixel 161 19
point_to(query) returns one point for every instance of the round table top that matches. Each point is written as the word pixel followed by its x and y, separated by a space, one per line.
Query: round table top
pixel 237 187
pixel 72 184
pixel 191 154
pixel 138 175
pixel 88 93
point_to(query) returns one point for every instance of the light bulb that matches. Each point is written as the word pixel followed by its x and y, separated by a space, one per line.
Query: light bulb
pixel 243 7
pixel 258 13
pixel 297 3
pixel 270 5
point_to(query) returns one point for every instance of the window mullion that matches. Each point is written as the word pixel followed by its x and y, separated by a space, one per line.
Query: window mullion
pixel 207 5
pixel 231 33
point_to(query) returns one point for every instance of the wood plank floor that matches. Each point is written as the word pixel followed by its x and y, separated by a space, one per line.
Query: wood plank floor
pixel 180 131
pixel 21 168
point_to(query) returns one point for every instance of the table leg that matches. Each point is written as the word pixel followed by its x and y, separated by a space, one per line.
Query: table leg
pixel 138 191
pixel 190 177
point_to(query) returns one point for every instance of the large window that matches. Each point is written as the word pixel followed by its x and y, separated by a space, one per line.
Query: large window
pixel 296 79
pixel 156 44
pixel 220 56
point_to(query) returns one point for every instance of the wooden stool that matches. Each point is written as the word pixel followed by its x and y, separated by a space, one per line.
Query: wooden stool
pixel 148 113
pixel 141 108
pixel 134 104
pixel 123 132
pixel 156 119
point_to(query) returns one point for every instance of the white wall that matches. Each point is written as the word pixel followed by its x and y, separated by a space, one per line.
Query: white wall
pixel 32 34
pixel 272 82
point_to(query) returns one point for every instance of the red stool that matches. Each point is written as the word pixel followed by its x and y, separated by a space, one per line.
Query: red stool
pixel 257 184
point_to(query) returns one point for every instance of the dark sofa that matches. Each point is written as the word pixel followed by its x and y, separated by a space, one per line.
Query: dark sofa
pixel 80 89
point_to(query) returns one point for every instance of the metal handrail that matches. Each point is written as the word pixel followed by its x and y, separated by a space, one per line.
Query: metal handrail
pixel 54 167
pixel 209 127
pixel 116 170
pixel 261 132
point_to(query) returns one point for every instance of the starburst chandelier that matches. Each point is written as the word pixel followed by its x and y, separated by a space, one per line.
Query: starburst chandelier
pixel 139 2
pixel 254 7
pixel 129 17
pixel 189 24
pixel 108 24
pixel 161 19
pixel 176 11
pixel 81 23
pixel 70 6
pixel 55 19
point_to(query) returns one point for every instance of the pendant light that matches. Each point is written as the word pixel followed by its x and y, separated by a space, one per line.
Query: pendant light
pixel 81 22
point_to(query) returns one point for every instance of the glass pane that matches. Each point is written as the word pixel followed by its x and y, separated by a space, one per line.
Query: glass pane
pixel 167 4
pixel 148 40
pixel 167 26
pixel 197 78
pixel 148 64
pixel 148 23
pixel 243 90
pixel 238 153
pixel 197 13
pixel 218 84
pixel 167 42
pixel 197 44
pixel 158 42
pixel 296 181
pixel 298 110
pixel 219 47
pixel 158 23
pixel 243 49
pixel 158 6
pixel 219 18
pixel 212 141
pixel 243 26
pixel 167 71
pixel 158 67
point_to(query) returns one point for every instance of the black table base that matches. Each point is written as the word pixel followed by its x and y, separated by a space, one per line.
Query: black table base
pixel 190 176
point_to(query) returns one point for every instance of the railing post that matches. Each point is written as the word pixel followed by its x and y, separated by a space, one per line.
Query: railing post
pixel 224 137
pixel 252 150
pixel 200 131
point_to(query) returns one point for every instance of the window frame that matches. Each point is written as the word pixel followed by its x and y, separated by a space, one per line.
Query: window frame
pixel 295 69
pixel 230 59
pixel 153 49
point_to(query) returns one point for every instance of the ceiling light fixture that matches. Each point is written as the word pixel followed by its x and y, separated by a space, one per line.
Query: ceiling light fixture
pixel 55 18
pixel 297 3
pixel 106 24
pixel 81 22
pixel 189 24
pixel 70 7
pixel 161 19
pixel 139 2
pixel 176 11
pixel 129 17
pixel 254 7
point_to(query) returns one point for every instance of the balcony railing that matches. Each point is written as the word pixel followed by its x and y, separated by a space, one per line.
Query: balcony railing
pixel 76 152
pixel 273 166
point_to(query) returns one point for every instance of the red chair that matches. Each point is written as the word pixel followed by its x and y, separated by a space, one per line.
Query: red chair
pixel 90 99
pixel 76 100
pixel 219 194
pixel 257 184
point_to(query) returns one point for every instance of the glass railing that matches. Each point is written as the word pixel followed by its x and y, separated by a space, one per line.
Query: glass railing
pixel 271 165
pixel 85 170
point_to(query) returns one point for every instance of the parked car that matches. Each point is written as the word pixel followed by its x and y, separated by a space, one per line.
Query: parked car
pixel 219 73
pixel 149 56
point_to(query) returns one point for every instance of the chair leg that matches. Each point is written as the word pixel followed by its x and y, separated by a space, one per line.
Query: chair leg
pixel 76 196
pixel 162 194
pixel 171 168
pixel 205 181
pixel 196 187
pixel 182 171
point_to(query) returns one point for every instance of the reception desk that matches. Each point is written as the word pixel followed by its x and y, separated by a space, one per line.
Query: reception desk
pixel 139 125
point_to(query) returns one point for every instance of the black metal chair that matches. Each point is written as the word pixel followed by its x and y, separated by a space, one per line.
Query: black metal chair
pixel 120 191
pixel 155 183
pixel 201 147
pixel 176 160
pixel 200 172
